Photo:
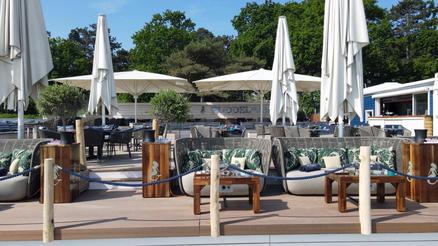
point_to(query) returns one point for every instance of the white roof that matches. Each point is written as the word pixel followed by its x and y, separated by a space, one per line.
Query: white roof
pixel 394 88
pixel 255 80
pixel 381 87
pixel 135 82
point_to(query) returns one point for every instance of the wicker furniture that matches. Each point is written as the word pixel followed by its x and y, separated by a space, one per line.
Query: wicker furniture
pixel 184 145
pixel 24 186
pixel 345 180
pixel 201 180
pixel 204 132
pixel 315 186
pixel 120 137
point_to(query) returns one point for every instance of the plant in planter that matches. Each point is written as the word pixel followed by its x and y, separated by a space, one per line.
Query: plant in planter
pixel 170 106
pixel 62 101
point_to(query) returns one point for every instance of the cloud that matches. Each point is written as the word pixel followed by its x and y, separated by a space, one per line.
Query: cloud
pixel 108 6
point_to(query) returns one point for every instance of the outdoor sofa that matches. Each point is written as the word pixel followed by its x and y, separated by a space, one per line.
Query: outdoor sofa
pixel 257 153
pixel 23 186
pixel 285 150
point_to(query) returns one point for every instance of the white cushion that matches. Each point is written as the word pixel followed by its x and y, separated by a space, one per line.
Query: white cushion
pixel 304 160
pixel 332 162
pixel 239 161
pixel 13 168
pixel 315 186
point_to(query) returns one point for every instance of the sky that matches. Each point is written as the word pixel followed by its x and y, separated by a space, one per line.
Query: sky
pixel 125 17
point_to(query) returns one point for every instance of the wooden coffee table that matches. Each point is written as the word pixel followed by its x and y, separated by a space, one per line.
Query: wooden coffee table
pixel 344 180
pixel 201 179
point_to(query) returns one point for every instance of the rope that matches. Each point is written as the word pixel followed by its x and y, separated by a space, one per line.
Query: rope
pixel 288 178
pixel 408 175
pixel 126 184
pixel 19 174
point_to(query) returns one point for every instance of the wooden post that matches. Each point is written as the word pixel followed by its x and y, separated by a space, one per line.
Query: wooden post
pixel 34 132
pixel 48 213
pixel 156 128
pixel 364 191
pixel 214 196
pixel 80 138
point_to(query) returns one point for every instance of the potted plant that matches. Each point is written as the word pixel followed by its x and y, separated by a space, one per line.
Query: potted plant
pixel 170 106
pixel 62 101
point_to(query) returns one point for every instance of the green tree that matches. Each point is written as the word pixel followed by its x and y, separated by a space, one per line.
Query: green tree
pixel 165 34
pixel 86 38
pixel 414 25
pixel 69 58
pixel 61 100
pixel 170 106
pixel 198 60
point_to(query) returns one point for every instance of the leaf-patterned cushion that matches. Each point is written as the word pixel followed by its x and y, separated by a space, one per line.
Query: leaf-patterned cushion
pixel 353 155
pixel 323 152
pixel 385 156
pixel 209 153
pixel 253 159
pixel 194 159
pixel 291 159
pixel 312 153
pixel 227 154
pixel 5 160
pixel 25 159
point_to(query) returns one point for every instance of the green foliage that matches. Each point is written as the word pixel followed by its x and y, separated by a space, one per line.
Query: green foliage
pixel 165 34
pixel 14 116
pixel 61 100
pixel 169 106
pixel 309 102
pixel 74 55
pixel 69 58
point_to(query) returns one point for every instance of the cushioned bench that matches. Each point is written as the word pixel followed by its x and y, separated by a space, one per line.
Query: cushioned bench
pixel 23 186
pixel 261 148
pixel 350 149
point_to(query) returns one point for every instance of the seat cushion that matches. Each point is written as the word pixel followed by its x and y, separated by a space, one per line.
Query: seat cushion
pixel 315 186
pixel 5 159
pixel 237 190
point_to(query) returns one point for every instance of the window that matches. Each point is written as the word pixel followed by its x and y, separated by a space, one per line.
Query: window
pixel 420 104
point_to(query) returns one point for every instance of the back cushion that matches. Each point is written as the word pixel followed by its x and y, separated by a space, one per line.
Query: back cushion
pixel 323 152
pixel 5 160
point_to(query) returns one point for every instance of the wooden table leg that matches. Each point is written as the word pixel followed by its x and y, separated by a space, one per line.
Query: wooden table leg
pixel 256 197
pixel 342 196
pixel 250 193
pixel 328 190
pixel 381 192
pixel 197 199
pixel 400 197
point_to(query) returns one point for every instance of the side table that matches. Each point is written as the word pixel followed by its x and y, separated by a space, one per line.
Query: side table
pixel 421 159
pixel 67 187
pixel 155 166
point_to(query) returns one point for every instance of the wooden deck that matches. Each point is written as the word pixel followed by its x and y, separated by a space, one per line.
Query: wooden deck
pixel 123 214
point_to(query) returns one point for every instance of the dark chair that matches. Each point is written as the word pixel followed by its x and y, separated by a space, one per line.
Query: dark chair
pixel 47 133
pixel 121 138
pixel 94 137
pixel 204 132
pixel 138 136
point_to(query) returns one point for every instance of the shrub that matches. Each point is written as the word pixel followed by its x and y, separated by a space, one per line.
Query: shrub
pixel 61 100
pixel 170 106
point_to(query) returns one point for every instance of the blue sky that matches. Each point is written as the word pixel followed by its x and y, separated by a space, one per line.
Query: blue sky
pixel 125 17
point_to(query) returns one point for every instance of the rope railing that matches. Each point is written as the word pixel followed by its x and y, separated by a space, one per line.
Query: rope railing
pixel 407 175
pixel 20 173
pixel 327 172
pixel 95 180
